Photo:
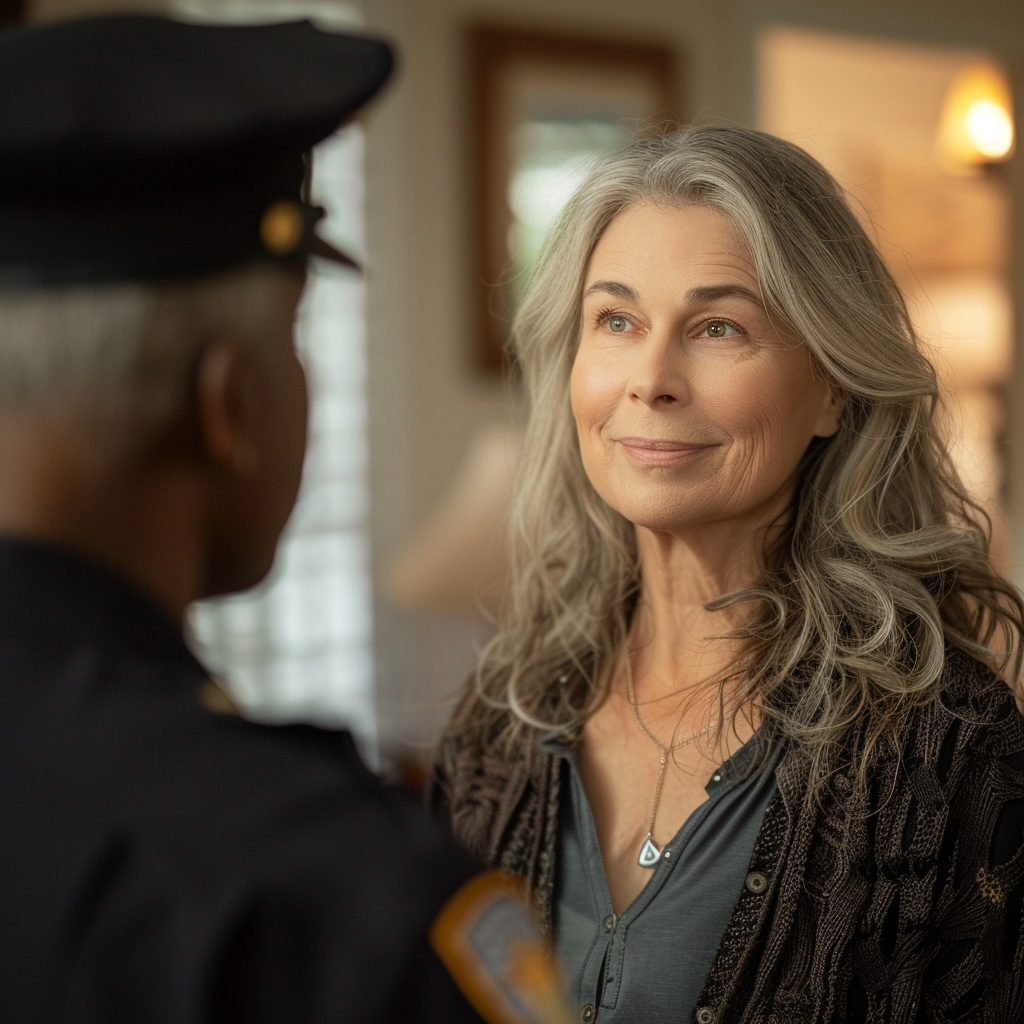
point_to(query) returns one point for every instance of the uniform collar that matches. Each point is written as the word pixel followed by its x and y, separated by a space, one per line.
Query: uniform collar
pixel 60 598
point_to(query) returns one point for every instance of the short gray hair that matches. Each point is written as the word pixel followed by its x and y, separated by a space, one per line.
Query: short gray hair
pixel 126 351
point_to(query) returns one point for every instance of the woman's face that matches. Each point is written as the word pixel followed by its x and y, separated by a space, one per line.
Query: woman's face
pixel 692 408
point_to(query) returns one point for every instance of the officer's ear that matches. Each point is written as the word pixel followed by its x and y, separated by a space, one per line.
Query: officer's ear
pixel 226 401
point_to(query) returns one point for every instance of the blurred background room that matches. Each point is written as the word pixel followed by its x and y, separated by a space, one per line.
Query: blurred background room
pixel 392 563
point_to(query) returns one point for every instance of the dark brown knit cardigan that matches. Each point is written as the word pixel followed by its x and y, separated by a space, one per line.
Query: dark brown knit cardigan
pixel 899 905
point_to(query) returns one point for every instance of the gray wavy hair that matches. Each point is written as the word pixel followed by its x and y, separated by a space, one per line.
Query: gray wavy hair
pixel 883 559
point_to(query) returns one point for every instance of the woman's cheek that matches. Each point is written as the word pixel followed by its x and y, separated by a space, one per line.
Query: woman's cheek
pixel 583 372
pixel 595 387
pixel 747 400
pixel 768 439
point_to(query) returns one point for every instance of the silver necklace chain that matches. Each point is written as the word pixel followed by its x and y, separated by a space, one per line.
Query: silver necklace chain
pixel 650 854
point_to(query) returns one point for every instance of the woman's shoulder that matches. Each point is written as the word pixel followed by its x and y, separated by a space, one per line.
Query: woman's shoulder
pixel 475 731
pixel 968 730
pixel 952 747
pixel 963 811
pixel 971 696
pixel 965 751
pixel 479 774
pixel 483 737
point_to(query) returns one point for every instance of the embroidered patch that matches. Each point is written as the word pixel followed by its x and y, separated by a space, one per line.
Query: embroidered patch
pixel 990 889
pixel 497 955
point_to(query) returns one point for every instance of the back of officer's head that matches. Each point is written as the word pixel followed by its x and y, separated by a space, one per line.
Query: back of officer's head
pixel 121 358
pixel 196 382
pixel 155 226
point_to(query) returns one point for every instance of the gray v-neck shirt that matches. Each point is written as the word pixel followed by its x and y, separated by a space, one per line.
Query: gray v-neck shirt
pixel 648 965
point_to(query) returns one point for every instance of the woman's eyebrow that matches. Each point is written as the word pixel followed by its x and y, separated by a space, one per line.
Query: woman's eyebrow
pixel 708 293
pixel 694 297
pixel 616 288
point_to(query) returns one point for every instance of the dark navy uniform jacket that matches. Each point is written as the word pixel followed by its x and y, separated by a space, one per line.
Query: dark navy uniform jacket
pixel 161 862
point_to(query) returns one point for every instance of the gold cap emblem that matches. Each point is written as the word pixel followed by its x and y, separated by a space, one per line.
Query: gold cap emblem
pixel 282 227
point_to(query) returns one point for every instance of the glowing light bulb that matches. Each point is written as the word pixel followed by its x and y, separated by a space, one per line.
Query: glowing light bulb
pixel 976 124
pixel 990 129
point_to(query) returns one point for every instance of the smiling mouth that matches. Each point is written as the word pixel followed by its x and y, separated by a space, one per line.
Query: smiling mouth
pixel 652 452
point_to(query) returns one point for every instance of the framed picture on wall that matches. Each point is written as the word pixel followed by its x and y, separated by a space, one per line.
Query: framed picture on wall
pixel 543 107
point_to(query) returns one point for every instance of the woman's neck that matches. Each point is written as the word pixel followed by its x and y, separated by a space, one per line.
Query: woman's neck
pixel 676 643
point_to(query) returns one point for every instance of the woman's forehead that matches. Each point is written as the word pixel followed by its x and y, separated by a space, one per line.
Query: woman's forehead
pixel 698 245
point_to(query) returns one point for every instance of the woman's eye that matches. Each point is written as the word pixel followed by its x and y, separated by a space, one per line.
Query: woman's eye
pixel 617 324
pixel 720 329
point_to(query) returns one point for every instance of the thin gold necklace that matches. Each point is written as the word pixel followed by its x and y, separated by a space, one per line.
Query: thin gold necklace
pixel 649 852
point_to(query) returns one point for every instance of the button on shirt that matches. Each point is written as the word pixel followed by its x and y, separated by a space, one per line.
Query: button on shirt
pixel 648 965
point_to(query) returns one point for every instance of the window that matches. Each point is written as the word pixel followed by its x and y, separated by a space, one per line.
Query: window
pixel 299 645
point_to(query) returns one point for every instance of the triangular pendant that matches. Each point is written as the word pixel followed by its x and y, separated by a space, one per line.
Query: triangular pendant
pixel 649 854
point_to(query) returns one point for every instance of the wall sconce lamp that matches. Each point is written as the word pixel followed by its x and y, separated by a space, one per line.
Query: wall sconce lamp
pixel 976 124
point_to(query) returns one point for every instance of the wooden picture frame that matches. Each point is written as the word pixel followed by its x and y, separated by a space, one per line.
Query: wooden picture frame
pixel 514 72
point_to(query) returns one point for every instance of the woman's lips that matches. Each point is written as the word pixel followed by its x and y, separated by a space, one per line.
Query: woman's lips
pixel 652 452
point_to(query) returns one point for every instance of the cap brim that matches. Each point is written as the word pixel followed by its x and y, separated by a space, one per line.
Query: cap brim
pixel 317 246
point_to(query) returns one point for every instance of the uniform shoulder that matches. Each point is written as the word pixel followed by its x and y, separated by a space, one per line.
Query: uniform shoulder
pixel 226 798
pixel 320 767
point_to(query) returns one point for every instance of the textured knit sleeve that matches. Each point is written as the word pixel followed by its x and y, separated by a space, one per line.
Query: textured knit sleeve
pixel 901 902
pixel 945 939
pixel 439 783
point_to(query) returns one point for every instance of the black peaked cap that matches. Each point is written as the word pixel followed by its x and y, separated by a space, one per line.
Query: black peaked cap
pixel 136 147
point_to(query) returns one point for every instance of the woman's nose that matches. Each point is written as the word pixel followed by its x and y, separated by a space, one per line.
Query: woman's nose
pixel 658 374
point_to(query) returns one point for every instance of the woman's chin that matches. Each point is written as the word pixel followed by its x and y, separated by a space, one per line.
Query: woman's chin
pixel 667 516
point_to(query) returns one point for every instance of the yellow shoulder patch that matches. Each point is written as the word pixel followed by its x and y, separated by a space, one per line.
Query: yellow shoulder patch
pixel 495 952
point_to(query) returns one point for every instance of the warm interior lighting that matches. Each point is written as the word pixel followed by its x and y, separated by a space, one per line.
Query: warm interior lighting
pixel 976 124
pixel 990 129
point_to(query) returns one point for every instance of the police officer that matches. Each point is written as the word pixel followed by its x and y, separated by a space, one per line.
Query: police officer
pixel 161 859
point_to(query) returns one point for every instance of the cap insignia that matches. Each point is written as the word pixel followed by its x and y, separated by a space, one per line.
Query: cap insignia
pixel 282 227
